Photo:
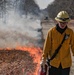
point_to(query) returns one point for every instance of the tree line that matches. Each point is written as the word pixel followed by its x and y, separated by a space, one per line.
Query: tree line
pixel 59 5
pixel 24 6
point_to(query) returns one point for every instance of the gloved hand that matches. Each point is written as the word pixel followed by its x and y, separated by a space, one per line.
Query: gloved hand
pixel 42 63
pixel 43 69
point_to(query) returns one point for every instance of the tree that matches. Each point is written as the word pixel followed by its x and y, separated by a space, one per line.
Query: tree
pixel 59 5
pixel 31 7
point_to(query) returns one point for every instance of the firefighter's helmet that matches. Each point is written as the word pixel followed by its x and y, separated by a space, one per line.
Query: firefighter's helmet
pixel 62 16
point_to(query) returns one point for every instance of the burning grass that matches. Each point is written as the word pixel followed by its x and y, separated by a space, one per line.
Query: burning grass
pixel 19 61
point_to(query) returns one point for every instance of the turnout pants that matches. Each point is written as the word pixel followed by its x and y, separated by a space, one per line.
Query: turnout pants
pixel 59 71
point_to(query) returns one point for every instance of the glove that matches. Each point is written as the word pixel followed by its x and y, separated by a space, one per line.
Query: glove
pixel 42 63
pixel 43 69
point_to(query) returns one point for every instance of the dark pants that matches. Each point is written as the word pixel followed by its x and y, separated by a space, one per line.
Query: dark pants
pixel 59 71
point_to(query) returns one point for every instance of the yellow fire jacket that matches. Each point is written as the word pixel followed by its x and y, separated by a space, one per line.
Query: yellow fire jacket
pixel 52 42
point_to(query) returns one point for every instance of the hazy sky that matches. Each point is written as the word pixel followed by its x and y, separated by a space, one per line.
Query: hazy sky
pixel 43 3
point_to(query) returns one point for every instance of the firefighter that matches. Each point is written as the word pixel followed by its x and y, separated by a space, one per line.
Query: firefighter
pixel 62 62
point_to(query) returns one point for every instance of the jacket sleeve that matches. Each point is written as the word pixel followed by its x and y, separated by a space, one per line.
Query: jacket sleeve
pixel 47 46
pixel 72 43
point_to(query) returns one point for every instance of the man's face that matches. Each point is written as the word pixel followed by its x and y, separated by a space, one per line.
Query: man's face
pixel 62 25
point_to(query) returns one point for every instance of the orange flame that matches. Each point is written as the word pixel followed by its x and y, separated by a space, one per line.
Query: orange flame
pixel 35 53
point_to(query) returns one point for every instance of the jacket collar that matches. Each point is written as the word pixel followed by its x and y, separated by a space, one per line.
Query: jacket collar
pixel 59 29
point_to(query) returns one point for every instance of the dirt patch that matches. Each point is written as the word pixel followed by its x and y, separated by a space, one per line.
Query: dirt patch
pixel 71 24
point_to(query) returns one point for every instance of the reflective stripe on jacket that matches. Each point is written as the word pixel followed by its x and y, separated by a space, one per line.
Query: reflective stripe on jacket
pixel 52 42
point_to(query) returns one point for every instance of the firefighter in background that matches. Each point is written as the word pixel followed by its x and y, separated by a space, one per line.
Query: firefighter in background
pixel 62 62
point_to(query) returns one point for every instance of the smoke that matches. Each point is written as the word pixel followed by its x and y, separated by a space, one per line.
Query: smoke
pixel 18 30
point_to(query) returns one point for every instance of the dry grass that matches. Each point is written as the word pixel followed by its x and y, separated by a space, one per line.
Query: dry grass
pixel 16 62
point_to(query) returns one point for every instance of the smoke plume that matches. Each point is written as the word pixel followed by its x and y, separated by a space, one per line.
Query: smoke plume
pixel 18 30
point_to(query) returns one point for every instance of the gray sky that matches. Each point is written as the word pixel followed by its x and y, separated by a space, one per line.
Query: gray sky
pixel 43 3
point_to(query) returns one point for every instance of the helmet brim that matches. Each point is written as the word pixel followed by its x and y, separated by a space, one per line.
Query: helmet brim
pixel 57 19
